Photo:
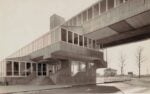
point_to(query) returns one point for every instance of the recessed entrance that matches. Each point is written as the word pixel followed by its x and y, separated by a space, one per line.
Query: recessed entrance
pixel 42 69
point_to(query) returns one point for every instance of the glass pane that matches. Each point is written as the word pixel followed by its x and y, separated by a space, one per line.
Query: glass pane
pixel 22 68
pixel 9 68
pixel 63 34
pixel 81 40
pixel 39 69
pixel 16 68
pixel 74 21
pixel 79 20
pixel 85 42
pixel 90 13
pixel 75 38
pixel 28 68
pixel 69 37
pixel 90 43
pixel 118 2
pixel 103 6
pixel 34 66
pixel 96 9
pixel 110 4
pixel 94 43
pixel 84 16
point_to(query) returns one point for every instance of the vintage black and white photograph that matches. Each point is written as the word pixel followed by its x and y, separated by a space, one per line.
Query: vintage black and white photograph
pixel 74 46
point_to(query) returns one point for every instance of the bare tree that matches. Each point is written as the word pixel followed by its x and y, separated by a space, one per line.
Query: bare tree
pixel 140 58
pixel 122 65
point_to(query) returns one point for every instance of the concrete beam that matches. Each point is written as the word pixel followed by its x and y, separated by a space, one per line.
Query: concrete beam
pixel 130 36
pixel 117 14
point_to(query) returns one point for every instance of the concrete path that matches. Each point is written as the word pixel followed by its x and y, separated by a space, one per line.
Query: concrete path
pixel 28 88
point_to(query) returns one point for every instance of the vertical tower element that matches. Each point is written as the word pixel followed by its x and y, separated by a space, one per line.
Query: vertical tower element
pixel 55 21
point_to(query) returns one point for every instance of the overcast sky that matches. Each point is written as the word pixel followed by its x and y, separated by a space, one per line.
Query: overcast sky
pixel 22 21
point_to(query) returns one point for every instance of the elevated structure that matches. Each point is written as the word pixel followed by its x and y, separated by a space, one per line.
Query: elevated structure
pixel 70 52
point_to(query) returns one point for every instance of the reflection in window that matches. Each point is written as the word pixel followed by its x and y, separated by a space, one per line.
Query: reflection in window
pixel 82 66
pixel 69 37
pixel 84 16
pixel 85 42
pixel 75 38
pixel 110 4
pixel 89 13
pixel 81 40
pixel 103 6
pixel 96 9
pixel 63 35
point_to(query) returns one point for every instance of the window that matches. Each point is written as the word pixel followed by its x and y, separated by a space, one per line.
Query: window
pixel 69 37
pixel 94 43
pixel 84 16
pixel 85 42
pixel 81 40
pixel 52 36
pixel 74 21
pixel 22 69
pixel 79 21
pixel 34 66
pixel 118 2
pixel 103 6
pixel 96 10
pixel 44 69
pixel 28 67
pixel 90 43
pixel 63 35
pixel 39 69
pixel 75 38
pixel 90 13
pixel 9 68
pixel 110 4
pixel 16 68
pixel 82 66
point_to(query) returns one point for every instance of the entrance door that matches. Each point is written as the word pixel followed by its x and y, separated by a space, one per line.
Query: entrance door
pixel 42 70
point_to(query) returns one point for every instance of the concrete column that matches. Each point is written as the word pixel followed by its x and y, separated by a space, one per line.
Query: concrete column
pixel 12 67
pixel 31 67
pixel 72 38
pixel 25 69
pixel 83 41
pixel 92 12
pixel 115 3
pixel 36 69
pixel 124 1
pixel 78 39
pixel 67 36
pixel 19 68
pixel 99 5
pixel 47 69
pixel 106 5
pixel 42 69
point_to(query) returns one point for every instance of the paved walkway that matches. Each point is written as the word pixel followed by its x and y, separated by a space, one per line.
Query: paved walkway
pixel 28 88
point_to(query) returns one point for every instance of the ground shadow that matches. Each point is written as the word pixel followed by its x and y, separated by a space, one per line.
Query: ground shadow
pixel 84 89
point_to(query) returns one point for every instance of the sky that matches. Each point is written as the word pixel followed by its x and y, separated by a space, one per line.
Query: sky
pixel 22 21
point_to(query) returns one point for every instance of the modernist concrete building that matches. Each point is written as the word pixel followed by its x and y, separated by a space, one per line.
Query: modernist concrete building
pixel 70 52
